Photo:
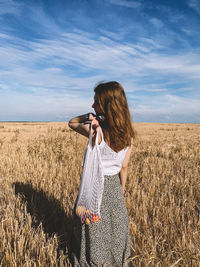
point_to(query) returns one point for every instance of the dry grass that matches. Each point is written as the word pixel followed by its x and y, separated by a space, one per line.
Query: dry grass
pixel 40 165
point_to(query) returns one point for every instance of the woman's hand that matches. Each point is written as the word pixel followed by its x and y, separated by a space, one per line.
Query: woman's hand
pixel 95 124
pixel 91 116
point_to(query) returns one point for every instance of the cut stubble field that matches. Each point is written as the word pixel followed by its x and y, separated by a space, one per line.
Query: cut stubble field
pixel 40 167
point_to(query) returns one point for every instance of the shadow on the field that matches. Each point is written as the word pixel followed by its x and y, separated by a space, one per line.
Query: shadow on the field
pixel 48 211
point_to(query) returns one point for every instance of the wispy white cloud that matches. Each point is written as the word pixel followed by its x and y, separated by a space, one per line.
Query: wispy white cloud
pixel 194 4
pixel 10 7
pixel 167 108
pixel 112 57
pixel 20 67
pixel 184 64
pixel 111 34
pixel 126 3
pixel 157 23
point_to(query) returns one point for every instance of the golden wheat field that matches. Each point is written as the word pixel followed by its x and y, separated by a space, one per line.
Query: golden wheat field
pixel 40 166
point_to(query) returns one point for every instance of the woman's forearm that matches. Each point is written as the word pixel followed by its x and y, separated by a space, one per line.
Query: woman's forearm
pixel 78 123
pixel 79 119
pixel 123 177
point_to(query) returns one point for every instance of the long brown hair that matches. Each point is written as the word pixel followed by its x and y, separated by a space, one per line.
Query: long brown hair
pixel 117 126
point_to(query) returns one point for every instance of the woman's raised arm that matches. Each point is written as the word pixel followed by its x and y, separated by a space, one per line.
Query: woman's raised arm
pixel 81 124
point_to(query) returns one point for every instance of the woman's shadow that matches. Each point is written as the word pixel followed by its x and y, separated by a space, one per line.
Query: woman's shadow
pixel 47 210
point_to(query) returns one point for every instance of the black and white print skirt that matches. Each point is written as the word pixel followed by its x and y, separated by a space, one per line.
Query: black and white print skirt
pixel 107 241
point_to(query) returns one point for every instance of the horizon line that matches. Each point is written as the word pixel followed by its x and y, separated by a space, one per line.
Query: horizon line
pixel 46 121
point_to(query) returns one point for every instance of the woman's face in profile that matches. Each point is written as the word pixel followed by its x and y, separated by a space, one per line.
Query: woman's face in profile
pixel 96 107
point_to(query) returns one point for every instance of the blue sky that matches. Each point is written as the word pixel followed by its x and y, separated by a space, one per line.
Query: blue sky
pixel 52 53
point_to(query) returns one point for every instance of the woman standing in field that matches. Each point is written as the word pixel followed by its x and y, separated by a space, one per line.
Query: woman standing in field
pixel 107 241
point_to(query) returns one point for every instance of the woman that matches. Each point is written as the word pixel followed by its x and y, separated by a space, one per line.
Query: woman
pixel 107 241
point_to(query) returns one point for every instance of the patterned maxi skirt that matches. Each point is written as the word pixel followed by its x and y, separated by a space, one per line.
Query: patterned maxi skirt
pixel 107 241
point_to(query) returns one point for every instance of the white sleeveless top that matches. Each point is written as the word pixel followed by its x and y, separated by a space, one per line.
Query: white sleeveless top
pixel 111 160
